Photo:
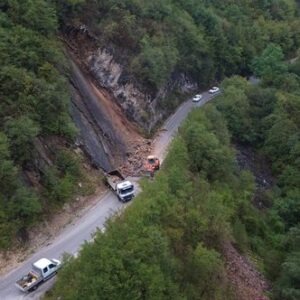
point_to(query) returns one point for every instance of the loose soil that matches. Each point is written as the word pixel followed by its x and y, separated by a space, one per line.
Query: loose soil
pixel 247 282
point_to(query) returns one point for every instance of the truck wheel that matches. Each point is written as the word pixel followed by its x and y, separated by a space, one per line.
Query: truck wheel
pixel 33 288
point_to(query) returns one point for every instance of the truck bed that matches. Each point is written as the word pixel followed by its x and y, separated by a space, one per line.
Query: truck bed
pixel 28 281
pixel 113 178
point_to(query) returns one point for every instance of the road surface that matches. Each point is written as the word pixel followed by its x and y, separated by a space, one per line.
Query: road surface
pixel 81 230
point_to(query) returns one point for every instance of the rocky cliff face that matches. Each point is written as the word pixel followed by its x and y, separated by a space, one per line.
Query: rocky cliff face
pixel 138 106
pixel 110 73
pixel 107 73
pixel 98 121
pixel 106 102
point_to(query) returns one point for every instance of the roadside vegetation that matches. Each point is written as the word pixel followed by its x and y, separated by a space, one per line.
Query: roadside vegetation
pixel 267 118
pixel 34 119
pixel 168 243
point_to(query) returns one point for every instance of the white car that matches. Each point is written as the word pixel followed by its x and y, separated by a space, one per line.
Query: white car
pixel 214 90
pixel 197 98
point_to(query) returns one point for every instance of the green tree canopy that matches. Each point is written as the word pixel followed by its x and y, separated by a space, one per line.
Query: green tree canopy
pixel 270 66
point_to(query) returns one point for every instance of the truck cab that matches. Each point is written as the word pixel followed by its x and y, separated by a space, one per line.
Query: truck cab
pixel 46 267
pixel 125 191
pixel 123 188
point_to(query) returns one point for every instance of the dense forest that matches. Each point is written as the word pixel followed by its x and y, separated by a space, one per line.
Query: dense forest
pixel 168 244
pixel 267 118
pixel 156 40
pixel 206 40
pixel 34 113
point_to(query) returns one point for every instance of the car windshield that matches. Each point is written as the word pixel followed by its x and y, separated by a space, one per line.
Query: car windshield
pixel 151 161
pixel 126 190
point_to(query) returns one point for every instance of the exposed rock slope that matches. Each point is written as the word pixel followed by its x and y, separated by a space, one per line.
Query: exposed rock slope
pixel 109 70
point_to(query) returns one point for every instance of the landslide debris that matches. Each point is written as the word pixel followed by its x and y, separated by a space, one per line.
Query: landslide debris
pixel 248 283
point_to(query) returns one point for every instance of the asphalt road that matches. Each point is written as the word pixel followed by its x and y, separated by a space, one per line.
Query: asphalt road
pixel 82 229
pixel 170 127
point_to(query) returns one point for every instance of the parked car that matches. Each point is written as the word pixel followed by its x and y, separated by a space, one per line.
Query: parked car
pixel 197 98
pixel 214 90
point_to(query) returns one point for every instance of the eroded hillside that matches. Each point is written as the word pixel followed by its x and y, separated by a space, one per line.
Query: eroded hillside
pixel 125 68
pixel 109 71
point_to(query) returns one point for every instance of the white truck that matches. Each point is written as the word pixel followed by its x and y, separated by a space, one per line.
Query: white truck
pixel 42 270
pixel 124 189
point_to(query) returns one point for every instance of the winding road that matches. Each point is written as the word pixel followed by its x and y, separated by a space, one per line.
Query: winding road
pixel 82 229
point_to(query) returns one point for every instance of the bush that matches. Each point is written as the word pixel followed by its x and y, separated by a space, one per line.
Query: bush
pixel 166 244
pixel 21 133
pixel 58 188
pixel 68 162
pixel 240 235
pixel 205 270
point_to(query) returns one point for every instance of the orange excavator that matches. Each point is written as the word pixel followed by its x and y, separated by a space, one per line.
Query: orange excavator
pixel 152 164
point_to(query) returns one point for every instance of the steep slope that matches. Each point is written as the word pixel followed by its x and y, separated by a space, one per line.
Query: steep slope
pixel 98 131
pixel 175 240
pixel 147 52
pixel 110 72
pixel 105 133
pixel 131 60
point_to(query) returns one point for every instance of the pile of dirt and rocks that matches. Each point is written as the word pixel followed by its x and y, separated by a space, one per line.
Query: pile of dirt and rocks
pixel 248 283
pixel 136 157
